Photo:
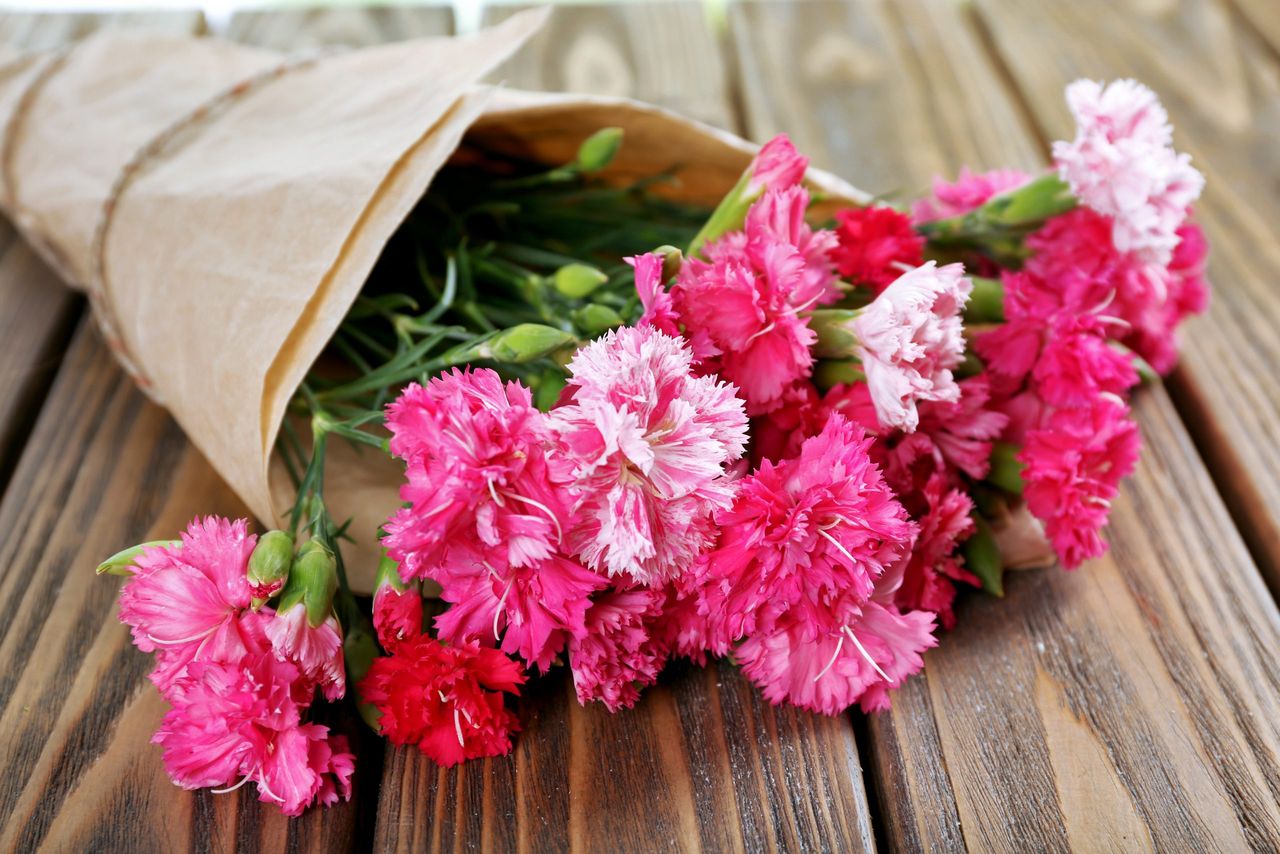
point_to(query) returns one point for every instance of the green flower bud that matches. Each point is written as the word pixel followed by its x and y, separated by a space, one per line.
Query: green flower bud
pixel 122 562
pixel 672 261
pixel 598 150
pixel 525 343
pixel 269 565
pixel 313 581
pixel 834 327
pixel 1030 204
pixel 594 319
pixel 578 280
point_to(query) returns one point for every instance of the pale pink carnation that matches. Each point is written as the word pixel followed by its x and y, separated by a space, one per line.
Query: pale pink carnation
pixel 968 192
pixel 316 651
pixel 477 474
pixel 911 337
pixel 1122 164
pixel 647 443
pixel 619 653
pixel 821 525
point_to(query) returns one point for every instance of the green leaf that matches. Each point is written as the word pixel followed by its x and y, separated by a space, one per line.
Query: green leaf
pixel 982 557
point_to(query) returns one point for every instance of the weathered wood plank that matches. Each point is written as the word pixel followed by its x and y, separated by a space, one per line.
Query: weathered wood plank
pixel 1222 89
pixel 703 761
pixel 663 53
pixel 104 467
pixel 1132 704
pixel 43 30
pixel 36 316
pixel 298 30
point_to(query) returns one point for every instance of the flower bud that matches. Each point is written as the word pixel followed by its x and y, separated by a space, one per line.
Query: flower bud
pixel 598 150
pixel 525 343
pixel 269 565
pixel 594 319
pixel 313 580
pixel 122 562
pixel 836 338
pixel 578 280
pixel 672 261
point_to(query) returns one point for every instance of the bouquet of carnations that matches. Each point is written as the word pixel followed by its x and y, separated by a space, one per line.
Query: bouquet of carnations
pixel 632 428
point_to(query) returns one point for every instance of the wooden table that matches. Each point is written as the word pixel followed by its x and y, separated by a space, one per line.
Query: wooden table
pixel 1132 705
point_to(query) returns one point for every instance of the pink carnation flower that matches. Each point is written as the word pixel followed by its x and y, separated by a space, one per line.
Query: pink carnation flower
pixel 647 443
pixel 618 654
pixel 822 524
pixel 241 720
pixel 777 164
pixel 1122 164
pixel 826 657
pixel 781 216
pixel 659 312
pixel 317 652
pixel 534 610
pixel 187 602
pixel 1073 468
pixel 911 337
pixel 477 474
pixel 927 575
pixel 970 191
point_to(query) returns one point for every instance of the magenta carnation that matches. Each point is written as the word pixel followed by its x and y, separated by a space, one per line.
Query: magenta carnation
pixel 819 525
pixel 619 653
pixel 1073 470
pixel 474 452
pixel 968 192
pixel 647 444
pixel 910 339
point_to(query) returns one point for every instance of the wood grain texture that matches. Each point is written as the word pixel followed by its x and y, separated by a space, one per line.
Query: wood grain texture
pixel 43 30
pixel 105 468
pixel 703 761
pixel 37 312
pixel 663 53
pixel 1130 705
pixel 1221 85
pixel 299 30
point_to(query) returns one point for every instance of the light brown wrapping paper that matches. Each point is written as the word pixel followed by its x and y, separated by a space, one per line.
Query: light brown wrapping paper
pixel 223 208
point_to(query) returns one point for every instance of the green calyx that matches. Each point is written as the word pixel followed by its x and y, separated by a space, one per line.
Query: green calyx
pixel 122 562
pixel 269 564
pixel 313 581
pixel 836 338
pixel 1006 470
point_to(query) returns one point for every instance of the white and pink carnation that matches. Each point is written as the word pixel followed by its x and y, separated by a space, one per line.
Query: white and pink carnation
pixel 1122 164
pixel 646 444
pixel 910 338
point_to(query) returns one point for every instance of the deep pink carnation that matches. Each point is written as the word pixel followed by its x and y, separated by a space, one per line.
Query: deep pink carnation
pixel 876 244
pixel 1073 468
pixel 911 337
pixel 315 651
pixel 824 521
pixel 448 700
pixel 534 610
pixel 647 444
pixel 927 575
pixel 659 311
pixel 1122 164
pixel 186 602
pixel 776 165
pixel 241 721
pixel 619 653
pixel 968 192
pixel 825 657
pixel 474 453
pixel 777 435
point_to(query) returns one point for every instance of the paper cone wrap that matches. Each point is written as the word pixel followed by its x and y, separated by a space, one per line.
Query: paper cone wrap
pixel 223 206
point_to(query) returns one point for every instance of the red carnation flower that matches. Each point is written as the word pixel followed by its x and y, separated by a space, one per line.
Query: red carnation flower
pixel 876 245
pixel 445 699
